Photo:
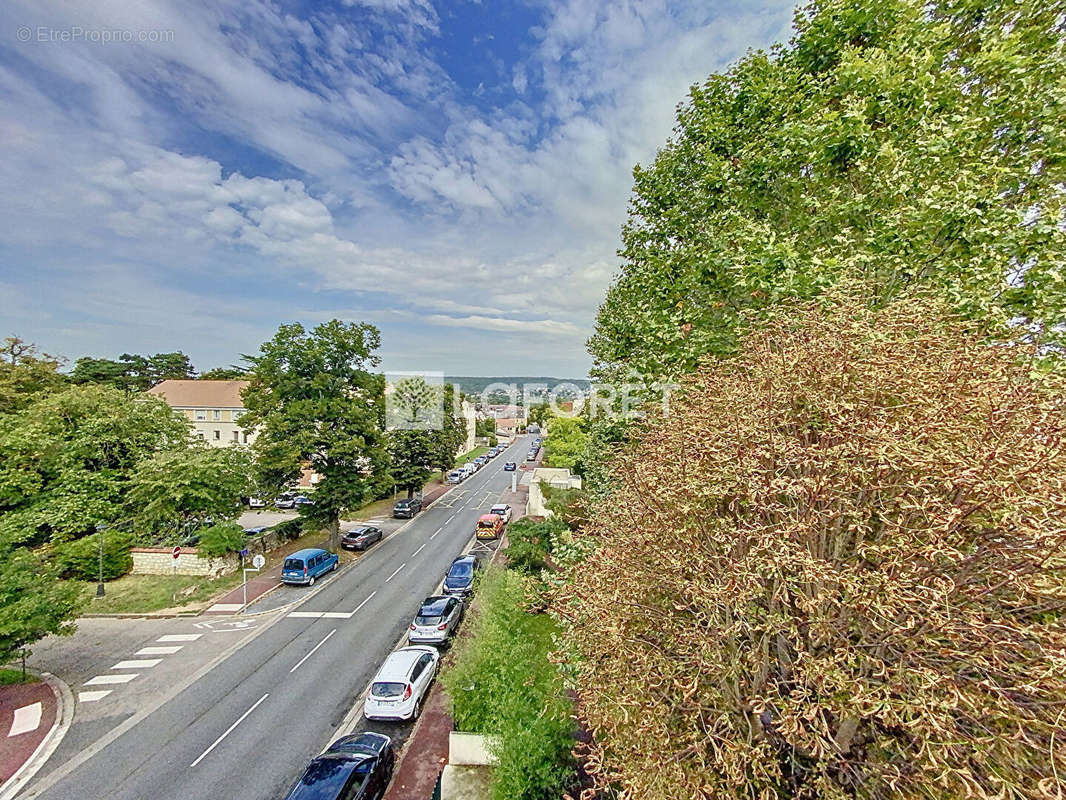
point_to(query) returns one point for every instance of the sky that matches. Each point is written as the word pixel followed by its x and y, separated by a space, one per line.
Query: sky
pixel 187 175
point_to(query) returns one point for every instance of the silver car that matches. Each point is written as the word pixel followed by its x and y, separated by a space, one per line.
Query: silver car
pixel 436 620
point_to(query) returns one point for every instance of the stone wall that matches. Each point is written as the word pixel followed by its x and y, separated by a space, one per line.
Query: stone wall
pixel 160 561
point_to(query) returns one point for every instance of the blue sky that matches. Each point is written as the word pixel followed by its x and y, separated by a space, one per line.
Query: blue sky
pixel 456 173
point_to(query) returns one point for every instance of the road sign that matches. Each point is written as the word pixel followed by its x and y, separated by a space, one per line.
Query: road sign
pixel 258 561
pixel 177 552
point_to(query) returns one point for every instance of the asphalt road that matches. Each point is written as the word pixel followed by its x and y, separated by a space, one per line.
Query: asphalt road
pixel 249 722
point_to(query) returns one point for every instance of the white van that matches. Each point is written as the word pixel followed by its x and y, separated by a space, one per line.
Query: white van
pixel 470 467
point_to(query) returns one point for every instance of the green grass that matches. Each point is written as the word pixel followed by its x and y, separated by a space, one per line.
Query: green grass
pixel 477 451
pixel 9 677
pixel 143 594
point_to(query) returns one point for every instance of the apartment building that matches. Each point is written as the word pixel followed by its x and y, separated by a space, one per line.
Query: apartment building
pixel 213 407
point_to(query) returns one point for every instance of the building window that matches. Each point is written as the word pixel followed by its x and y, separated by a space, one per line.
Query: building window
pixel 236 436
pixel 217 415
pixel 218 435
pixel 201 415
pixel 246 438
pixel 200 434
pixel 236 414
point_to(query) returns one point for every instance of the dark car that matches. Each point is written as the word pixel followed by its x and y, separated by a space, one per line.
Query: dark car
pixel 256 531
pixel 510 466
pixel 459 581
pixel 360 538
pixel 356 767
pixel 407 507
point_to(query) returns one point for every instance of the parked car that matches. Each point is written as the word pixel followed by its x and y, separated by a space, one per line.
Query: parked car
pixel 531 455
pixel 256 502
pixel 258 529
pixel 489 526
pixel 481 461
pixel 355 767
pixel 437 619
pixel 407 507
pixel 304 566
pixel 285 501
pixel 302 500
pixel 471 467
pixel 503 511
pixel 456 476
pixel 361 538
pixel 510 466
pixel 401 684
pixel 459 581
pixel 492 453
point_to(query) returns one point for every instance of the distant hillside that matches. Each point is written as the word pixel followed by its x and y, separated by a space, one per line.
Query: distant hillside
pixel 475 384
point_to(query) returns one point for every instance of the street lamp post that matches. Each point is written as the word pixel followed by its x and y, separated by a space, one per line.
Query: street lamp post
pixel 100 548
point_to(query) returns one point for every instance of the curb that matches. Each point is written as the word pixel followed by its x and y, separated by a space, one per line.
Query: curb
pixel 48 745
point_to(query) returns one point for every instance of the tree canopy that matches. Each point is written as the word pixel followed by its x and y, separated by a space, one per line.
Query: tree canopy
pixel 896 142
pixel 25 374
pixel 131 372
pixel 839 561
pixel 314 404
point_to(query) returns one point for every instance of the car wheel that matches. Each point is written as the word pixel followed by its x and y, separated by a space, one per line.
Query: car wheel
pixel 417 711
pixel 312 581
pixel 334 567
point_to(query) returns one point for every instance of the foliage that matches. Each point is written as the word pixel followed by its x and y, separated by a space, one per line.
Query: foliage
pixel 224 374
pixel 314 404
pixel 66 460
pixel 503 683
pixel 411 456
pixel 565 443
pixel 290 528
pixel 33 602
pixel 835 570
pixel 80 558
pixel 175 488
pixel 25 374
pixel 219 540
pixel 133 373
pixel 530 543
pixel 894 141
pixel 538 414
pixel 569 505
pixel 485 427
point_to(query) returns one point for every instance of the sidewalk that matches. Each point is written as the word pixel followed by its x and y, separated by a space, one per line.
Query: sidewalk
pixel 233 601
pixel 27 713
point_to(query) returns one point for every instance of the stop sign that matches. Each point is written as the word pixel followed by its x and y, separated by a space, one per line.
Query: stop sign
pixel 177 551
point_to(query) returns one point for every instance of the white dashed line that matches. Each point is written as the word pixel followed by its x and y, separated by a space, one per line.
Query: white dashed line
pixel 106 679
pixel 419 550
pixel 179 637
pixel 159 651
pixel 137 663
pixel 363 603
pixel 92 697
pixel 393 575
pixel 229 730
pixel 27 718
pixel 434 536
pixel 322 614
pixel 302 660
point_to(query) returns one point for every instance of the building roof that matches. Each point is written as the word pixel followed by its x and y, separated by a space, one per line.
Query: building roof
pixel 200 394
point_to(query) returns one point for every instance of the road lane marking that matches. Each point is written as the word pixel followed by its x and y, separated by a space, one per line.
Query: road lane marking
pixel 137 663
pixel 179 637
pixel 92 697
pixel 393 575
pixel 419 550
pixel 159 651
pixel 302 660
pixel 27 718
pixel 106 679
pixel 226 607
pixel 363 603
pixel 229 730
pixel 434 536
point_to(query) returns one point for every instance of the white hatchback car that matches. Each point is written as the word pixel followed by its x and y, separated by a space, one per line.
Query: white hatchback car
pixel 503 511
pixel 401 684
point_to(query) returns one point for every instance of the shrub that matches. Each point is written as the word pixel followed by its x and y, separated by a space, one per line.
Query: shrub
pixel 530 543
pixel 290 528
pixel 80 558
pixel 219 540
pixel 502 683
pixel 860 589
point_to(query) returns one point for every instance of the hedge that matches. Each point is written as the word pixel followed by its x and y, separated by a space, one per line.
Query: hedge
pixel 80 558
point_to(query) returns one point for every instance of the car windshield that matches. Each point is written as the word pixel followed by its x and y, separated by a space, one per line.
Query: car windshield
pixel 293 563
pixel 387 689
pixel 357 532
pixel 463 570
pixel 486 523
pixel 325 776
pixel 420 620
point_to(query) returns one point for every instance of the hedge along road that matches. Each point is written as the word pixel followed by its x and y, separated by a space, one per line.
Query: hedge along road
pixel 248 726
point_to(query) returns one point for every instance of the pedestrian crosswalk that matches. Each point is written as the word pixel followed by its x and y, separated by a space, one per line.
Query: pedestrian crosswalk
pixel 163 647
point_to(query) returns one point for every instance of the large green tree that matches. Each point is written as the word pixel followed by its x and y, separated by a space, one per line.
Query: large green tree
pixel 34 602
pixel 25 374
pixel 132 372
pixel 901 142
pixel 314 403
pixel 66 460
pixel 176 488
pixel 566 443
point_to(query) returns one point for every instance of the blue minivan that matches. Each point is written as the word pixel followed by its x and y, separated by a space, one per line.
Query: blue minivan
pixel 303 566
